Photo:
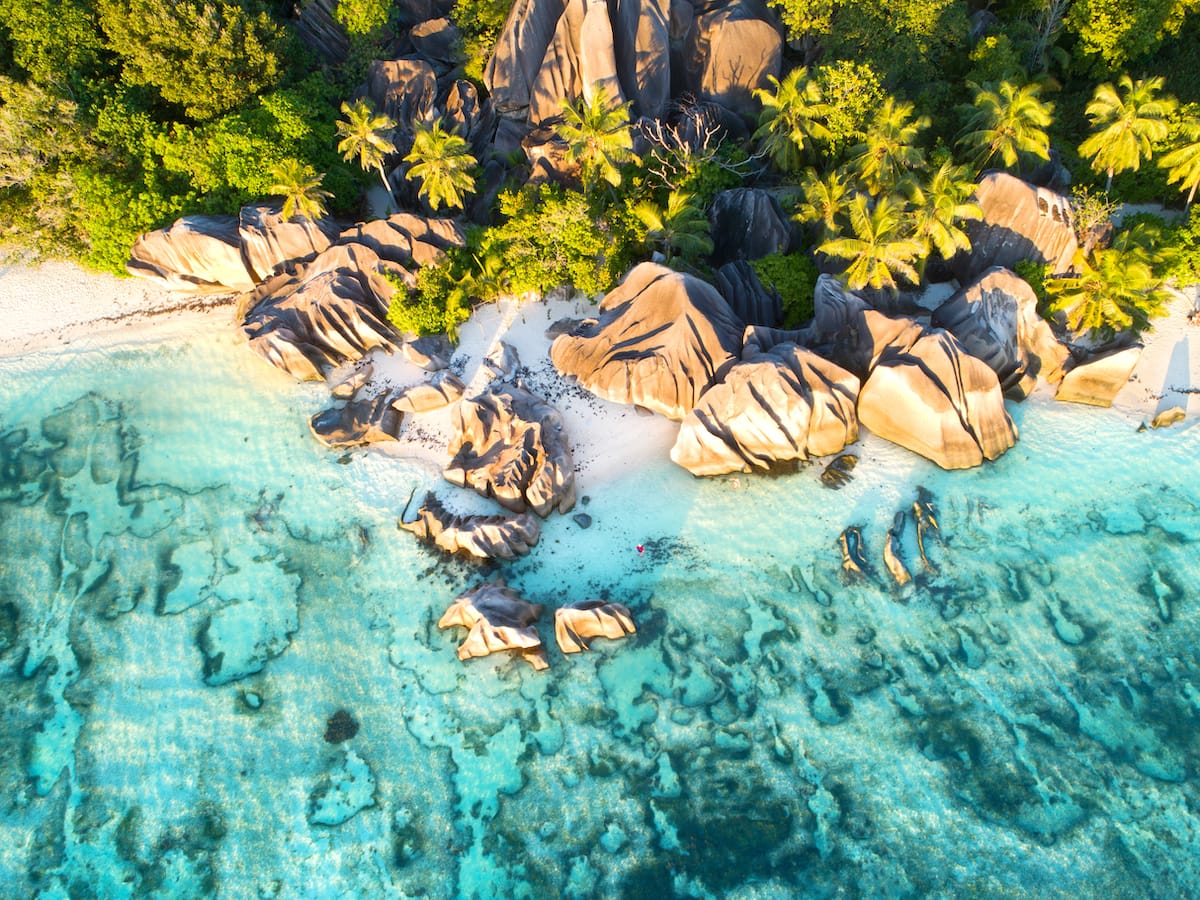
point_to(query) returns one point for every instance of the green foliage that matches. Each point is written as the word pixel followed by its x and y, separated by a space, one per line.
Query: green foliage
pixel 1114 290
pixel 1178 249
pixel 853 93
pixel 443 164
pixel 479 22
pixel 37 129
pixel 938 206
pixel 1113 33
pixel 52 40
pixel 439 306
pixel 112 211
pixel 206 56
pixel 1035 275
pixel 598 138
pixel 362 17
pixel 300 186
pixel 680 229
pixel 888 153
pixel 1126 123
pixel 791 122
pixel 794 277
pixel 995 58
pixel 553 237
pixel 366 136
pixel 879 248
pixel 824 202
pixel 1182 163
pixel 1008 122
pixel 1089 210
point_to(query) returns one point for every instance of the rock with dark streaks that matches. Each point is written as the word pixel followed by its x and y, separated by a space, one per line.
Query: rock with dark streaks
pixel 405 239
pixel 739 284
pixel 497 618
pixel 428 396
pixel 404 89
pixel 747 223
pixel 576 622
pixel 837 473
pixel 200 254
pixel 479 537
pixel 358 422
pixel 661 340
pixel 783 405
pixel 732 49
pixel 271 245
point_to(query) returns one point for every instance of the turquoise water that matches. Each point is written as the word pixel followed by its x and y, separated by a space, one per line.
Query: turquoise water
pixel 191 587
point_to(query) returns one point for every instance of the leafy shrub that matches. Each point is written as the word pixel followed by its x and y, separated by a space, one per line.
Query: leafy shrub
pixel 439 305
pixel 1179 247
pixel 1035 275
pixel 479 22
pixel 794 277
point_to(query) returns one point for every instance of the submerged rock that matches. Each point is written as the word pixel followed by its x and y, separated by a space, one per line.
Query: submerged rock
pixel 332 312
pixel 345 790
pixel 997 321
pixel 481 537
pixel 662 338
pixel 937 400
pixel 837 473
pixel 1098 381
pixel 202 254
pixel 1169 417
pixel 576 622
pixel 510 445
pixel 497 618
pixel 891 554
pixel 782 405
pixel 854 558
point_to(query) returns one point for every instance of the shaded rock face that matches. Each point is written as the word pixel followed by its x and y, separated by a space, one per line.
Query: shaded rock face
pixel 497 618
pixel 359 422
pixel 197 253
pixel 783 405
pixel 1019 222
pixel 661 340
pixel 479 537
pixel 1098 381
pixel 422 398
pixel 517 57
pixel 330 313
pixel 739 284
pixel 576 622
pixel 578 62
pixel 747 223
pixel 404 89
pixel 731 51
pixel 404 238
pixel 271 245
pixel 510 445
pixel 996 320
pixel 937 400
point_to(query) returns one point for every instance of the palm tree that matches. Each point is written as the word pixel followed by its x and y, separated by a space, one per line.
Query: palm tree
pixel 791 120
pixel 1113 290
pixel 824 201
pixel 880 248
pixel 938 206
pixel 300 186
pixel 598 137
pixel 365 135
pixel 443 163
pixel 1010 122
pixel 888 152
pixel 1125 125
pixel 681 229
pixel 1183 163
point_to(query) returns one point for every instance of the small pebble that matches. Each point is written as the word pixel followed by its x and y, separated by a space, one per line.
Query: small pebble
pixel 252 700
pixel 583 520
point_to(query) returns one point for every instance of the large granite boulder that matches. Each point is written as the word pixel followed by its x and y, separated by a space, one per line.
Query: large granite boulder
pixel 271 245
pixel 497 618
pixel 579 61
pixel 478 537
pixel 1019 222
pixel 782 405
pixel 512 70
pixel 641 37
pixel 510 444
pixel 739 284
pixel 576 622
pixel 202 254
pixel 428 396
pixel 732 50
pixel 469 116
pixel 747 223
pixel 937 400
pixel 405 238
pixel 358 422
pixel 404 89
pixel 1097 381
pixel 996 320
pixel 332 312
pixel 662 338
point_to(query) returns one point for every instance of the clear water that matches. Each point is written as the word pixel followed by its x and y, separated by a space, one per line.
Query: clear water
pixel 190 587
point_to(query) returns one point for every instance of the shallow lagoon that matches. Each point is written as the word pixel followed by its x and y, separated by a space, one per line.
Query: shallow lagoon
pixel 191 587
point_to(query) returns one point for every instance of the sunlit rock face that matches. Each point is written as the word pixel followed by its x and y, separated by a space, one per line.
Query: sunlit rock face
pixel 786 404
pixel 662 338
pixel 201 254
pixel 937 400
pixel 510 445
pixel 270 244
pixel 357 422
pixel 1097 381
pixel 731 51
pixel 996 320
pixel 576 622
pixel 332 312
pixel 428 396
pixel 1020 222
pixel 480 537
pixel 497 618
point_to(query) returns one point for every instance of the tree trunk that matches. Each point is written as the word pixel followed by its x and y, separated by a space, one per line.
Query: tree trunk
pixel 1108 184
pixel 387 187
pixel 1191 197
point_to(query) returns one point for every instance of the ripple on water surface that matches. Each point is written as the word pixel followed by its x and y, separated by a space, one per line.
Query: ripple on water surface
pixel 195 600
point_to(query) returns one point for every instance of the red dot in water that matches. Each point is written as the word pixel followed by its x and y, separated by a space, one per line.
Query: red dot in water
pixel 640 548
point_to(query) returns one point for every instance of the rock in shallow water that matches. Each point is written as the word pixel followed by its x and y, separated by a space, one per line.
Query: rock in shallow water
pixel 498 619
pixel 481 537
pixel 345 790
pixel 358 422
pixel 576 622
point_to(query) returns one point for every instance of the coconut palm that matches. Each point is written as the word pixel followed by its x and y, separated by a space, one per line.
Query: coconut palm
pixel 880 247
pixel 366 135
pixel 792 119
pixel 598 137
pixel 824 202
pixel 300 186
pixel 888 153
pixel 939 205
pixel 1113 290
pixel 442 162
pixel 1183 163
pixel 681 229
pixel 1126 121
pixel 1009 122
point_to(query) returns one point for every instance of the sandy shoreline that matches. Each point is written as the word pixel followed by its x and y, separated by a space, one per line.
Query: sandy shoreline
pixel 57 306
